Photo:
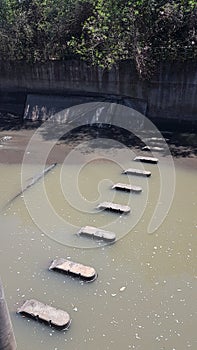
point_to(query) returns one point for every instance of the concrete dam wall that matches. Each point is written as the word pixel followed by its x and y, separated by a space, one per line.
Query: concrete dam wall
pixel 170 96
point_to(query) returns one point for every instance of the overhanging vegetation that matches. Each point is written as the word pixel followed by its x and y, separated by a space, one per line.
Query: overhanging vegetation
pixel 101 32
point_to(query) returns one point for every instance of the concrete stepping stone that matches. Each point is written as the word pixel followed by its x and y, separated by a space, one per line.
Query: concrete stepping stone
pixel 74 269
pixel 146 159
pixel 127 188
pixel 118 208
pixel 46 313
pixel 94 232
pixel 153 149
pixel 156 139
pixel 137 172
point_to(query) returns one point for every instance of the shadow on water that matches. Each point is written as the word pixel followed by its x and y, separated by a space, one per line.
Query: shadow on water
pixel 10 122
pixel 181 144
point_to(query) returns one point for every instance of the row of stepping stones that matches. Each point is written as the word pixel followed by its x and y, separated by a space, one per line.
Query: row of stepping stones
pixel 59 318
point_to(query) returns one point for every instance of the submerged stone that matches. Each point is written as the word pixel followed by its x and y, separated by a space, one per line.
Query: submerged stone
pixel 94 232
pixel 137 172
pixel 127 188
pixel 153 149
pixel 46 313
pixel 118 208
pixel 74 269
pixel 146 159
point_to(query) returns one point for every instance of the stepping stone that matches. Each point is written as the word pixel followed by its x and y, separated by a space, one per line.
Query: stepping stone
pixel 127 188
pixel 118 208
pixel 46 313
pixel 153 148
pixel 146 159
pixel 94 232
pixel 5 138
pixel 157 139
pixel 74 269
pixel 156 144
pixel 137 172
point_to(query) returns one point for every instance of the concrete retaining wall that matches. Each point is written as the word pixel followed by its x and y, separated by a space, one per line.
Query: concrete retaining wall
pixel 171 94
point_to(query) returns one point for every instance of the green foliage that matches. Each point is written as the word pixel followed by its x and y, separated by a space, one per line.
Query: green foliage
pixel 147 31
pixel 39 30
pixel 103 37
pixel 102 32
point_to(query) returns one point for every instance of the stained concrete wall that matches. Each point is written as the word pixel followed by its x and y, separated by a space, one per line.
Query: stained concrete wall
pixel 170 95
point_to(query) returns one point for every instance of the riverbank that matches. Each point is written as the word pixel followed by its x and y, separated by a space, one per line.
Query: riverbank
pixel 14 141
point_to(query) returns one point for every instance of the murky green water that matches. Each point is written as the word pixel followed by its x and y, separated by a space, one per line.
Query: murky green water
pixel 145 294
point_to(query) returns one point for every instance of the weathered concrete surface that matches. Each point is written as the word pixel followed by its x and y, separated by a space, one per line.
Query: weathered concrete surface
pixel 42 107
pixel 127 188
pixel 118 208
pixel 137 172
pixel 170 95
pixel 159 140
pixel 46 313
pixel 153 148
pixel 7 339
pixel 146 160
pixel 94 232
pixel 74 268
